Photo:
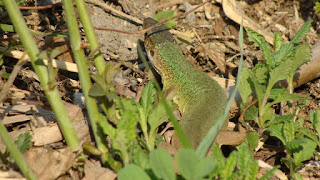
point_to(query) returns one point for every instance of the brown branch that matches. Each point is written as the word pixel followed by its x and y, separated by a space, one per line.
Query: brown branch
pixel 12 77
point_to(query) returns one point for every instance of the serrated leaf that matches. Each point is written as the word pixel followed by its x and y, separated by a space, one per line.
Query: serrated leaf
pixel 23 142
pixel 229 167
pixel 261 42
pixel 277 41
pixel 281 95
pixel 315 120
pixel 285 51
pixel 252 140
pixel 244 85
pixel 128 123
pixel 295 145
pixel 219 159
pixel 301 56
pixel 161 164
pixel 308 149
pixel 280 72
pixel 289 131
pixel 107 128
pixel 147 97
pixel 280 119
pixel 261 73
pixel 244 156
pixel 121 143
pixel 163 15
pixel 132 171
pixel 125 104
pixel 301 33
pixel 252 172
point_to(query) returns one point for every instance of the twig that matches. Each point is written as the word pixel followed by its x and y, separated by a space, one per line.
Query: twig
pixel 38 7
pixel 148 29
pixel 72 67
pixel 12 77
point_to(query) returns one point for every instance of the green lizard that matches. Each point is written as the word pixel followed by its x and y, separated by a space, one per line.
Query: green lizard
pixel 200 99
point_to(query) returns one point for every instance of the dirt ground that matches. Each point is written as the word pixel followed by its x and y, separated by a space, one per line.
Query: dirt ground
pixel 211 45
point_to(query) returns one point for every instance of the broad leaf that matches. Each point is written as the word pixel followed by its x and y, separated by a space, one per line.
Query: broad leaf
pixel 162 164
pixel 132 171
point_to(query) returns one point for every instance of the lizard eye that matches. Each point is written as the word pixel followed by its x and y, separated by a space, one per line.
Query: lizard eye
pixel 152 53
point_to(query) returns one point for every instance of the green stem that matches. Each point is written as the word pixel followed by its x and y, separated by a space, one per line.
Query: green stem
pixel 90 34
pixel 16 154
pixel 84 77
pixel 52 94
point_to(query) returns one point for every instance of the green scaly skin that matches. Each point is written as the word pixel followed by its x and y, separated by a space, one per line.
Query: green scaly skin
pixel 200 99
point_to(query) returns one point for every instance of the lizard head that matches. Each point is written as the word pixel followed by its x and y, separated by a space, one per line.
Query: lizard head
pixel 154 39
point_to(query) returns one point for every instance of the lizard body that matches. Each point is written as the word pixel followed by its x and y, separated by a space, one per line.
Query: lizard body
pixel 200 99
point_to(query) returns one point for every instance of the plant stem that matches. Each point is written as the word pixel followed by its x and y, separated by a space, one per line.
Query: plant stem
pixel 16 154
pixel 52 94
pixel 90 34
pixel 84 77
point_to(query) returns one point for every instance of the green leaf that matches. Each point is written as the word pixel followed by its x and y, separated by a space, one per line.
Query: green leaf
pixel 261 73
pixel 259 88
pixel 315 120
pixel 163 15
pixel 125 104
pixel 7 27
pixel 301 56
pixel 230 164
pixel 107 128
pixel 277 41
pixel 96 90
pixel 147 97
pixel 280 72
pixel 251 113
pixel 128 123
pixel 285 51
pixel 289 131
pixel 158 115
pixel 276 130
pixel 161 164
pixel 295 145
pixel 280 119
pixel 281 95
pixel 140 157
pixel 219 158
pixel 132 171
pixel 261 42
pixel 192 166
pixel 252 140
pixel 301 33
pixel 244 85
pixel 307 151
pixel 23 142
